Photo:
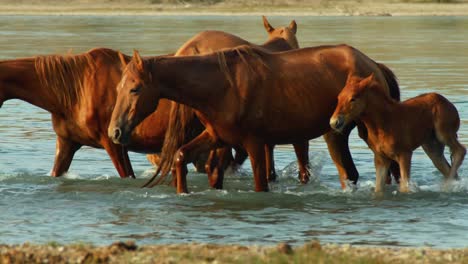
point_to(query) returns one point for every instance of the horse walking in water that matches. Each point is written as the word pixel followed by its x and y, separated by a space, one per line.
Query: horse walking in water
pixel 247 97
pixel 396 129
pixel 279 39
pixel 79 92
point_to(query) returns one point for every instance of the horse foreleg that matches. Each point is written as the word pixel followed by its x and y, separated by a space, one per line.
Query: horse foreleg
pixel 256 151
pixel 339 152
pixel 302 154
pixel 382 164
pixel 64 151
pixel 404 160
pixel 270 163
pixel 394 168
pixel 119 157
pixel 203 142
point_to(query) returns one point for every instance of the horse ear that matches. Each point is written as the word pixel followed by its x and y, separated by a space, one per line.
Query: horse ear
pixel 138 60
pixel 267 25
pixel 123 61
pixel 368 80
pixel 293 26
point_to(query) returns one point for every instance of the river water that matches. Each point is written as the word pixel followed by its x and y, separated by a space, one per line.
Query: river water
pixel 91 204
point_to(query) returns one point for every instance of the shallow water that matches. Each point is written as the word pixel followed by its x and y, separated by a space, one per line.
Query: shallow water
pixel 91 204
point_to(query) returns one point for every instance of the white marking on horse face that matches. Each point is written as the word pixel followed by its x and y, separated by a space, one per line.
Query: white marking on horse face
pixel 123 81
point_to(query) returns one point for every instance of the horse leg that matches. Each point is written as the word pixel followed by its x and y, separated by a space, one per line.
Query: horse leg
pixel 404 160
pixel 339 151
pixel 239 158
pixel 382 164
pixel 215 167
pixel 154 159
pixel 458 154
pixel 435 151
pixel 394 167
pixel 200 161
pixel 270 163
pixel 256 151
pixel 64 151
pixel 203 142
pixel 119 157
pixel 302 154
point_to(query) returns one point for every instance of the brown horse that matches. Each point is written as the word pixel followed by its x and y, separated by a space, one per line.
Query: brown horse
pixel 279 39
pixel 79 92
pixel 246 97
pixel 396 129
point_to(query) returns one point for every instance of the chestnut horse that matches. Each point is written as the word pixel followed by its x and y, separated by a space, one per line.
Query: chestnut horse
pixel 79 92
pixel 396 129
pixel 279 39
pixel 246 97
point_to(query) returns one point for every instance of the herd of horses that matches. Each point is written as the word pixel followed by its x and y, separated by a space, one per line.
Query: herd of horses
pixel 219 92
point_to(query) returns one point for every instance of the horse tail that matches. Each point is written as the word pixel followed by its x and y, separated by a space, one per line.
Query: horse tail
pixel 181 128
pixel 392 81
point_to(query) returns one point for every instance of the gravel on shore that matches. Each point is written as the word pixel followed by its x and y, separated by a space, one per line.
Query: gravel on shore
pixel 312 252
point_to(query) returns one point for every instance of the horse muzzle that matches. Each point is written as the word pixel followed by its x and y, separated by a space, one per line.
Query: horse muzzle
pixel 118 136
pixel 337 123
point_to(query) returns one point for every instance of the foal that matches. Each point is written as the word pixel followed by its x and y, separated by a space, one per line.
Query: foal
pixel 396 129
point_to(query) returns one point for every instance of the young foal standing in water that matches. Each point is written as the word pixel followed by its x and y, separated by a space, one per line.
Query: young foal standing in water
pixel 396 129
pixel 245 97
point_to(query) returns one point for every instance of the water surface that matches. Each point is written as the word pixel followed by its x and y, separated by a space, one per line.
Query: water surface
pixel 91 204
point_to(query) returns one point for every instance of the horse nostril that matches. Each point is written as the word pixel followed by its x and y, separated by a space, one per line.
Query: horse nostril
pixel 337 123
pixel 117 133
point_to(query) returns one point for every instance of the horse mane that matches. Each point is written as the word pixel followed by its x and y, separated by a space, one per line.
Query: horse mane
pixel 392 81
pixel 65 75
pixel 250 57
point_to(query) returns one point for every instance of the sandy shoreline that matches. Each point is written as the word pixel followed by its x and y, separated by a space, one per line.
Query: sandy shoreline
pixel 347 8
pixel 129 252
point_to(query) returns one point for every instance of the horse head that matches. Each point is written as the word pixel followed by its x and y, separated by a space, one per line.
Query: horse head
pixel 287 33
pixel 351 101
pixel 135 99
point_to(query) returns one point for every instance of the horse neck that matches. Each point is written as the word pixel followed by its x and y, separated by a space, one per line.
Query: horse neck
pixel 194 81
pixel 276 44
pixel 379 112
pixel 18 80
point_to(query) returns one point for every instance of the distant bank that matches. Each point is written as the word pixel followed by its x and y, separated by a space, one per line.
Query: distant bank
pixel 242 7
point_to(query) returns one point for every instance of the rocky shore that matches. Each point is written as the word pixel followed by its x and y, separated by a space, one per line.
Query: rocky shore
pixel 313 252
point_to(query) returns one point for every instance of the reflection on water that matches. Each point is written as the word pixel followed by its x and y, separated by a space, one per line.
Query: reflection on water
pixel 92 204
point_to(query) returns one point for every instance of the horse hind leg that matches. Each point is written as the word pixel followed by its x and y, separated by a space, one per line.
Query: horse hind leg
pixel 446 125
pixel 270 163
pixel 302 154
pixel 435 151
pixel 458 154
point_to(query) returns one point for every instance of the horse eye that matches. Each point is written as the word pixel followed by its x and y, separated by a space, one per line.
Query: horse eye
pixel 135 90
pixel 352 99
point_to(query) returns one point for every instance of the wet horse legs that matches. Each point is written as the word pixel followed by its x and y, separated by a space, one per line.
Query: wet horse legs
pixel 203 142
pixel 119 157
pixel 64 151
pixel 341 156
